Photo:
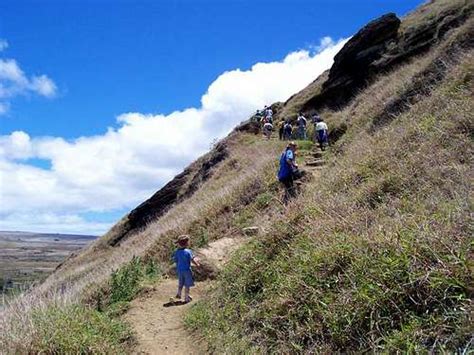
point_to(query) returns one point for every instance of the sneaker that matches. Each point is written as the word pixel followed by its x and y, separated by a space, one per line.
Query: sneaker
pixel 188 299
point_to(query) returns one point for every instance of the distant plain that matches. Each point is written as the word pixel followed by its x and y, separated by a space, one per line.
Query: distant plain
pixel 26 258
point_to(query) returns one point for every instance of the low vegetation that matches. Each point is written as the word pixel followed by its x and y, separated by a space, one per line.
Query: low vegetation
pixel 67 326
pixel 76 329
pixel 374 255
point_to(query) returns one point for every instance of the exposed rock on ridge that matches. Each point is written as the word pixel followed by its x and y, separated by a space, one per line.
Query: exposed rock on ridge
pixel 379 47
pixel 353 63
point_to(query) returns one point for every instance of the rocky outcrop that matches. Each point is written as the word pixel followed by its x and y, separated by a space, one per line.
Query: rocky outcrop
pixel 249 126
pixel 417 39
pixel 181 187
pixel 424 83
pixel 352 64
pixel 379 47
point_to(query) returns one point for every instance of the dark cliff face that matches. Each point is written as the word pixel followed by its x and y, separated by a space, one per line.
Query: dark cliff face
pixel 181 187
pixel 352 65
pixel 378 48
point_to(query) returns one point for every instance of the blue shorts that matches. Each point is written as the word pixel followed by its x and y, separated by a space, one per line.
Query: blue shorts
pixel 185 278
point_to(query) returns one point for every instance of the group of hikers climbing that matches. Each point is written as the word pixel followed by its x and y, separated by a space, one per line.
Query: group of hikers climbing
pixel 288 168
pixel 287 173
pixel 286 131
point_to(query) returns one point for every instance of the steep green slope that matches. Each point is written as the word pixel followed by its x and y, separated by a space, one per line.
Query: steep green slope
pixel 376 254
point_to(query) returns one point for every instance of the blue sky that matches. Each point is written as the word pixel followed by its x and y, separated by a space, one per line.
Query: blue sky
pixel 86 63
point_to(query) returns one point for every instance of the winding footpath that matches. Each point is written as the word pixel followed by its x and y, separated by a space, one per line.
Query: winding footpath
pixel 158 323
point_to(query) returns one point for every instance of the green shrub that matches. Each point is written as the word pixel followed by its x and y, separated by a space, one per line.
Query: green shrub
pixel 201 238
pixel 125 282
pixel 263 200
pixel 304 145
pixel 77 329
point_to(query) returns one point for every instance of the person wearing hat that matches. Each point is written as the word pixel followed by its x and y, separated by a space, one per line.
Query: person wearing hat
pixel 183 257
pixel 287 167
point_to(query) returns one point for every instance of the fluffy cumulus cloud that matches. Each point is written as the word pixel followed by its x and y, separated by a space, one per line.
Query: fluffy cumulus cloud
pixel 14 82
pixel 120 168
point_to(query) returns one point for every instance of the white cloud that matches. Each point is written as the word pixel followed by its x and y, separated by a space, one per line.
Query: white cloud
pixel 14 82
pixel 11 72
pixel 126 164
pixel 3 44
pixel 43 86
pixel 325 42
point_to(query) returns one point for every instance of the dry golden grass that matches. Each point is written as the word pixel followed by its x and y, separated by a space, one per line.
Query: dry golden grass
pixel 376 254
pixel 79 278
pixel 431 10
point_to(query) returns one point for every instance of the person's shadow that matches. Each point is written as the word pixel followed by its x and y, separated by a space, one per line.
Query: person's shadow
pixel 175 303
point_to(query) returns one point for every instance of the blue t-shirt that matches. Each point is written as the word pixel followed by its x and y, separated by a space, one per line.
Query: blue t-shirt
pixel 285 168
pixel 183 258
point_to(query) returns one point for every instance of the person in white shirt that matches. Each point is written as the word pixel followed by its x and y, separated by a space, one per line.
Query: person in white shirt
pixel 321 133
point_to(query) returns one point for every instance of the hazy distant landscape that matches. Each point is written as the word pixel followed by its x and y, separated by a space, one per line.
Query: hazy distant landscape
pixel 27 257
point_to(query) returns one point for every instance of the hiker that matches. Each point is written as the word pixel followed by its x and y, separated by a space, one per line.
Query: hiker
pixel 258 116
pixel 321 129
pixel 269 114
pixel 315 119
pixel 183 257
pixel 267 129
pixel 301 122
pixel 280 129
pixel 287 130
pixel 288 167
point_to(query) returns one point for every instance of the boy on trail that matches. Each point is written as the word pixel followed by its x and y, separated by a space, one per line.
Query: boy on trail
pixel 183 258
pixel 288 167
pixel 321 130
pixel 301 122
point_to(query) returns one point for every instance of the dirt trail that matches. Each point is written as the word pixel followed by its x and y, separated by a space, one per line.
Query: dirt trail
pixel 160 329
pixel 157 324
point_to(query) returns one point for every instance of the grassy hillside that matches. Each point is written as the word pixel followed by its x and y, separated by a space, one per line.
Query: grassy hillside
pixel 375 253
